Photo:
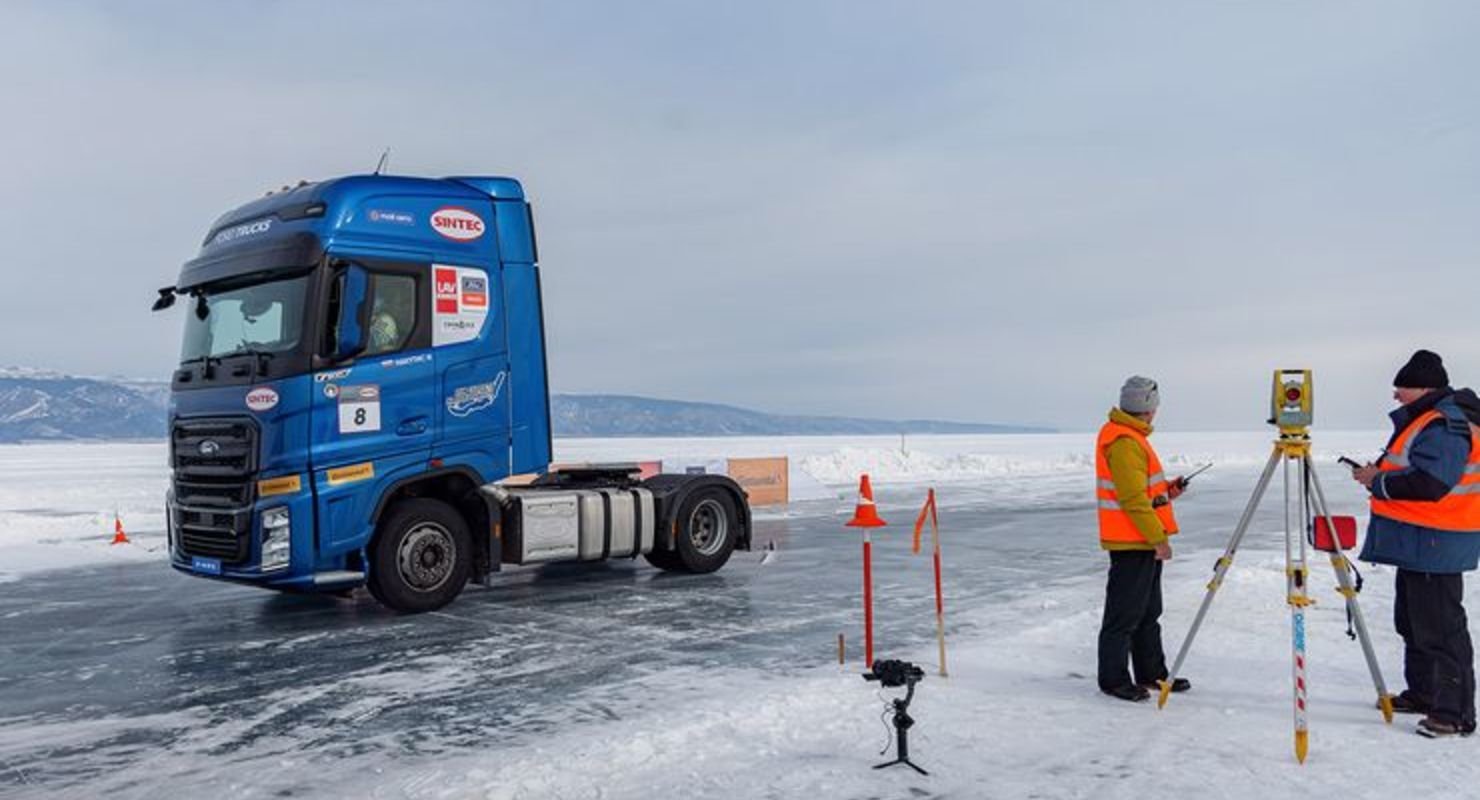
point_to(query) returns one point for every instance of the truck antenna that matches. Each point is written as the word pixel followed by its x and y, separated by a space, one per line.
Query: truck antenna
pixel 384 158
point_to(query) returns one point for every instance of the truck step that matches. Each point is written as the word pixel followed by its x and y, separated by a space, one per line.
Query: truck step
pixel 337 577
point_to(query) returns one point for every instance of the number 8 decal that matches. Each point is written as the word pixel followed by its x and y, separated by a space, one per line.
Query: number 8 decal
pixel 359 409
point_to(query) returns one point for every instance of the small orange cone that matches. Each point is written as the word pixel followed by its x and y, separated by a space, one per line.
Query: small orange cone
pixel 119 537
pixel 866 515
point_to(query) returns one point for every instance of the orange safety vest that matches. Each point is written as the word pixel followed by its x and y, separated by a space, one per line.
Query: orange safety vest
pixel 1115 523
pixel 1457 511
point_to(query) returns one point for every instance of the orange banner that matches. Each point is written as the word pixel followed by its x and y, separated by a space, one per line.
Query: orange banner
pixel 765 480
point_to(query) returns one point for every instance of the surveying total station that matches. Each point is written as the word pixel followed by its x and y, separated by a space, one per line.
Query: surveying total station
pixel 1291 411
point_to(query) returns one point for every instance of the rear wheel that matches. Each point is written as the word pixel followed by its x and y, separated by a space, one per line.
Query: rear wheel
pixel 708 527
pixel 422 556
pixel 664 560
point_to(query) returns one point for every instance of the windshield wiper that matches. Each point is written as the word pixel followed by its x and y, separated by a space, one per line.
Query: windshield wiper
pixel 259 358
pixel 210 362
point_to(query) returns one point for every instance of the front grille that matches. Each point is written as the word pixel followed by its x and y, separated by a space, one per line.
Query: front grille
pixel 214 463
pixel 233 456
pixel 210 494
pixel 212 543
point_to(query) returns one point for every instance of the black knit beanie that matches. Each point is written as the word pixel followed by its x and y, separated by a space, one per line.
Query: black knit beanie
pixel 1425 370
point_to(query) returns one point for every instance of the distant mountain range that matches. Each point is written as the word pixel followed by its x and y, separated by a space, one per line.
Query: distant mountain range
pixel 41 405
pixel 626 415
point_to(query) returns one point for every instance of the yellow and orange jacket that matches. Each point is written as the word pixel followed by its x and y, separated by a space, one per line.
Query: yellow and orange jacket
pixel 1128 476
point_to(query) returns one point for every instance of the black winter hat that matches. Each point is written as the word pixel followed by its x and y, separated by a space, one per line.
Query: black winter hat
pixel 1425 370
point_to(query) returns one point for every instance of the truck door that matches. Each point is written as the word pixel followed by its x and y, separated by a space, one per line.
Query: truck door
pixel 376 415
pixel 473 358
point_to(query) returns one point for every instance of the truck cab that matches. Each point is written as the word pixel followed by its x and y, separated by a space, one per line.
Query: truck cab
pixel 362 369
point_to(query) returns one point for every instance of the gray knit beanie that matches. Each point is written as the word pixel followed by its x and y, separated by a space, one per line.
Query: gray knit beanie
pixel 1139 395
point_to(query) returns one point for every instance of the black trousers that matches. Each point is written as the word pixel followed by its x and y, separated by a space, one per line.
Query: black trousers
pixel 1131 628
pixel 1438 658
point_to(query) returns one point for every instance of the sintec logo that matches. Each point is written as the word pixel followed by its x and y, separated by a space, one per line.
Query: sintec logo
pixel 456 223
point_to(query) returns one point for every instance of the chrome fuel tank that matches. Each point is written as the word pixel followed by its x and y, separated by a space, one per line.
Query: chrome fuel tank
pixel 542 525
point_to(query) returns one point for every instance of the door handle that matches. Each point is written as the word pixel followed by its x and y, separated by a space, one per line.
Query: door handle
pixel 411 427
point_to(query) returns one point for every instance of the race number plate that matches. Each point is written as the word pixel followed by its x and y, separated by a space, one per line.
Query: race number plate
pixel 359 409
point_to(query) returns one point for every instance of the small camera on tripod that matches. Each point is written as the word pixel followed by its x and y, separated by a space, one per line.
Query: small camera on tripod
pixel 892 673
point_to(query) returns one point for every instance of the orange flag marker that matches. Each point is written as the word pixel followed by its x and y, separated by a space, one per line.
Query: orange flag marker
pixel 928 512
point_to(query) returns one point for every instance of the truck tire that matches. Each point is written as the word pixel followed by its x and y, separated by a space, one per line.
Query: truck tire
pixel 422 556
pixel 708 527
pixel 666 560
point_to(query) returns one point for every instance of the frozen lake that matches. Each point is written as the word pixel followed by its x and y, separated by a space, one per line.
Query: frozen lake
pixel 120 677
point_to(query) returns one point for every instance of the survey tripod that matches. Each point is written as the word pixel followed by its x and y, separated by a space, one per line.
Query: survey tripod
pixel 1291 407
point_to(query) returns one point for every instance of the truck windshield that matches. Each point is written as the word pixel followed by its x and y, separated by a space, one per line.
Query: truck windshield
pixel 264 317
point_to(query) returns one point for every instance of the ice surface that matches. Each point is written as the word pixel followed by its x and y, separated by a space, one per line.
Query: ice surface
pixel 615 681
pixel 58 501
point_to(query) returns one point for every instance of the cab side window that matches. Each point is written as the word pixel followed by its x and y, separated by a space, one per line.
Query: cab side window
pixel 392 312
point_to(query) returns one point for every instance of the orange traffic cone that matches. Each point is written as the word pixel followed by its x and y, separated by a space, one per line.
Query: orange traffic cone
pixel 866 515
pixel 119 537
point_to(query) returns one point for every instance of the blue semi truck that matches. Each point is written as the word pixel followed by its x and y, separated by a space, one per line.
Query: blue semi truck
pixel 362 373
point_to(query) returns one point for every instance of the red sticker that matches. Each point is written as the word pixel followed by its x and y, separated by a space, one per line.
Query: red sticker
pixel 447 305
pixel 447 283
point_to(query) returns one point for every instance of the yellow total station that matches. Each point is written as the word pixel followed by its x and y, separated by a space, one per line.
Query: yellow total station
pixel 1292 402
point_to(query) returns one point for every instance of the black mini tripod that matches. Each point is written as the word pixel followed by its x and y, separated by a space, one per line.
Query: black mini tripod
pixel 902 723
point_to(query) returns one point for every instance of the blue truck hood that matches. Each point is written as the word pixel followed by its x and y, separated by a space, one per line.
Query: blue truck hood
pixel 280 408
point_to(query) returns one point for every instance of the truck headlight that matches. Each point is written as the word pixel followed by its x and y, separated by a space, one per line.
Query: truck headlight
pixel 277 538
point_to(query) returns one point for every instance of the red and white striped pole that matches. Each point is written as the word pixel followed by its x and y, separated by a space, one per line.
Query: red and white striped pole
pixel 866 516
pixel 868 599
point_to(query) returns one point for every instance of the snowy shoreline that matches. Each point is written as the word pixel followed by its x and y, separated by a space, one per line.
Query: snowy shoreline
pixel 57 501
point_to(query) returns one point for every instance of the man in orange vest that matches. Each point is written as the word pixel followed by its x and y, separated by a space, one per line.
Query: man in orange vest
pixel 1135 509
pixel 1426 521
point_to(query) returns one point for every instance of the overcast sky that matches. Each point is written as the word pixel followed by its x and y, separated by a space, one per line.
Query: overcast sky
pixel 975 211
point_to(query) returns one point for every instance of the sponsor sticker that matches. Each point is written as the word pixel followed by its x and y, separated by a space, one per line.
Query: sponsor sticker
pixel 334 375
pixel 352 473
pixel 271 487
pixel 446 290
pixel 466 400
pixel 405 361
pixel 459 305
pixel 475 291
pixel 390 217
pixel 446 281
pixel 359 409
pixel 458 224
pixel 262 398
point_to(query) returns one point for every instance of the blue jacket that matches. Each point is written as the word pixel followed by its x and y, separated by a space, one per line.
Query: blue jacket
pixel 1437 462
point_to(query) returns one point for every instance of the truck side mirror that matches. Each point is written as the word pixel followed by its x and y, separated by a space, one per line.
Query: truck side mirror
pixel 353 288
pixel 166 298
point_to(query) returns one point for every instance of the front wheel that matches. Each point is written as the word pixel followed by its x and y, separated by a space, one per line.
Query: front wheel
pixel 422 556
pixel 708 527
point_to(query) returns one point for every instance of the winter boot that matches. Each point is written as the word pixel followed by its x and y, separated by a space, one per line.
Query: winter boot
pixel 1130 692
pixel 1433 728
pixel 1405 704
pixel 1178 685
